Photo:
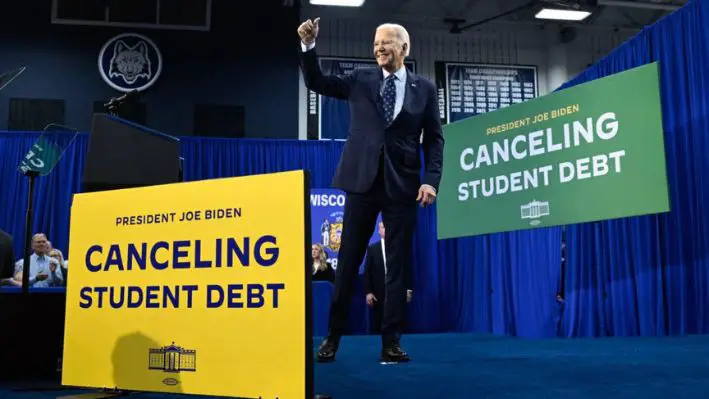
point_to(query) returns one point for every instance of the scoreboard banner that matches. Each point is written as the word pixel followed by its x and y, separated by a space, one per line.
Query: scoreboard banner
pixel 591 152
pixel 196 288
pixel 467 89
pixel 329 118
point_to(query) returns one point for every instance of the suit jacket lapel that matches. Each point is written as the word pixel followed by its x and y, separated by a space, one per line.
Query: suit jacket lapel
pixel 410 92
pixel 375 84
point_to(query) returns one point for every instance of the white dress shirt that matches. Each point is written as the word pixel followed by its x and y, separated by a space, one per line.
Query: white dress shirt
pixel 40 265
pixel 384 256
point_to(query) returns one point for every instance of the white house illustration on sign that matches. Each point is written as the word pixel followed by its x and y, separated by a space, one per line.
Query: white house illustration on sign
pixel 535 210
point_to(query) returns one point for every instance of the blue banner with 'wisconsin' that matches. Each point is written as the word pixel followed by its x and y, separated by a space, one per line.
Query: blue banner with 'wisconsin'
pixel 327 209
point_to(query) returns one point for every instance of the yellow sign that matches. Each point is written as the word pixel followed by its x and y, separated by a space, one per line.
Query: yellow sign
pixel 196 288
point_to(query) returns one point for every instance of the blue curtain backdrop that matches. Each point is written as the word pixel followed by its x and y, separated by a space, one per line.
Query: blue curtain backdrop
pixel 636 276
pixel 504 283
pixel 53 193
pixel 650 275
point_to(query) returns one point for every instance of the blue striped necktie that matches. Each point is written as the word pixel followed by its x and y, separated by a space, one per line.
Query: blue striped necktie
pixel 389 98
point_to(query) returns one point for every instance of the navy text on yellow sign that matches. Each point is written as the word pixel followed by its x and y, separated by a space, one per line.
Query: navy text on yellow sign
pixel 197 288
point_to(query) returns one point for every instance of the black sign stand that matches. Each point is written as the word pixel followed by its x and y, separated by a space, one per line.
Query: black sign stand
pixel 32 175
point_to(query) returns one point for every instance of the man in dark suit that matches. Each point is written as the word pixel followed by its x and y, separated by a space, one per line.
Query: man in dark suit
pixel 379 170
pixel 375 272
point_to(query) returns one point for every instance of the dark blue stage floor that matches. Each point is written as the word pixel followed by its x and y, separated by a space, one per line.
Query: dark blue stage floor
pixel 469 366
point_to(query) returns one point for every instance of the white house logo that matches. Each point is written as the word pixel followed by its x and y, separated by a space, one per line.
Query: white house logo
pixel 535 210
pixel 130 61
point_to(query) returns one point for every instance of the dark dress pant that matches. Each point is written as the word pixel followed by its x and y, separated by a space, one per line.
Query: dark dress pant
pixel 359 222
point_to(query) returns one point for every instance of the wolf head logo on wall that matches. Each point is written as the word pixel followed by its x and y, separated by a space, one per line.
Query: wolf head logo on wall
pixel 130 61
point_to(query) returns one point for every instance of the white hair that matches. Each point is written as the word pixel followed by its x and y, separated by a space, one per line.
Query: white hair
pixel 401 33
pixel 38 235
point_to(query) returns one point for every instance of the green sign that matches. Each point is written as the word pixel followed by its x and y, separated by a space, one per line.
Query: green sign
pixel 591 152
pixel 42 157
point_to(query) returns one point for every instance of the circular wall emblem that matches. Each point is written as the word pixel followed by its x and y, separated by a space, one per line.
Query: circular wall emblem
pixel 130 61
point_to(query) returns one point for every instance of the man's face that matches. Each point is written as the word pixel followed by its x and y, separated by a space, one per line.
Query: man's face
pixel 381 229
pixel 40 245
pixel 388 48
pixel 54 254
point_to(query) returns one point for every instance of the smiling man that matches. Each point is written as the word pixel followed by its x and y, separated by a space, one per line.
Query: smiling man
pixel 379 170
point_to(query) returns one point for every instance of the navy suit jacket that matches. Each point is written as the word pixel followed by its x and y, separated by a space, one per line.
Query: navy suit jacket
pixel 369 136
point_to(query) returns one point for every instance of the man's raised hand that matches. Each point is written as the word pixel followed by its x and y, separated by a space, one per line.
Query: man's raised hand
pixel 308 30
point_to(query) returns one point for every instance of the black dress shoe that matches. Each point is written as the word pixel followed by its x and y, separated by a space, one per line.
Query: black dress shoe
pixel 328 350
pixel 393 354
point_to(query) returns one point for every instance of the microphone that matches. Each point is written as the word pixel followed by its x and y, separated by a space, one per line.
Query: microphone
pixel 130 94
pixel 113 104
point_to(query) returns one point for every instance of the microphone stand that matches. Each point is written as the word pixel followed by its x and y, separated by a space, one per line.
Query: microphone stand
pixel 113 105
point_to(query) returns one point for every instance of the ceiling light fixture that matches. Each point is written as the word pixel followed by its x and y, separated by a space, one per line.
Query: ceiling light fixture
pixel 340 3
pixel 562 15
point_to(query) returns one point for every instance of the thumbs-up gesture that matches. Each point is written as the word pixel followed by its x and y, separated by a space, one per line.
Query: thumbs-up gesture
pixel 308 30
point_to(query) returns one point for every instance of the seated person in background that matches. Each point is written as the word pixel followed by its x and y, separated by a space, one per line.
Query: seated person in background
pixel 7 259
pixel 44 271
pixel 322 271
pixel 59 257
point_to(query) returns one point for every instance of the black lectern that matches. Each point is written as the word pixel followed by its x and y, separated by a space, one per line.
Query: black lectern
pixel 123 154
